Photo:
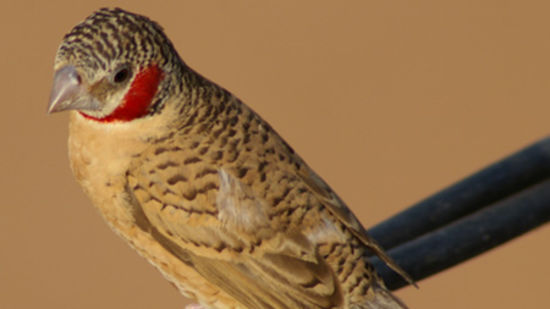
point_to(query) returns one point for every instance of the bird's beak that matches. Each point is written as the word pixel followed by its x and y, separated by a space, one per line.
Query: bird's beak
pixel 69 93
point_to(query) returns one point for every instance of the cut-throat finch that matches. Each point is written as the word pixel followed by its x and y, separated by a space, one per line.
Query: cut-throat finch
pixel 199 184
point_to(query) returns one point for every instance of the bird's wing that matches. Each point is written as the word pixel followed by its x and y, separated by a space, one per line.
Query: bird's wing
pixel 337 207
pixel 210 219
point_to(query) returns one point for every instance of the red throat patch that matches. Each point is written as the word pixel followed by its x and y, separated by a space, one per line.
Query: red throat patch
pixel 136 102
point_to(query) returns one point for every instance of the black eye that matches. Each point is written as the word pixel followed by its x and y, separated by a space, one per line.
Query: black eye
pixel 122 75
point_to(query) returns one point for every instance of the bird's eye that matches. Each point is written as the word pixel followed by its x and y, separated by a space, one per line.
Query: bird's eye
pixel 122 75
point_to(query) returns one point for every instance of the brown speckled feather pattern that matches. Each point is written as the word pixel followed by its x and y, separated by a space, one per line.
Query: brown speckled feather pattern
pixel 237 197
pixel 213 197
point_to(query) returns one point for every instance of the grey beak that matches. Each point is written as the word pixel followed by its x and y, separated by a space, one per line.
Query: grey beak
pixel 68 92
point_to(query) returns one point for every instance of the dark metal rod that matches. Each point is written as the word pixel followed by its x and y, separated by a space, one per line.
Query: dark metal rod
pixel 469 236
pixel 496 182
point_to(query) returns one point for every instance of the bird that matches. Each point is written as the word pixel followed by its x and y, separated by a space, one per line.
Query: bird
pixel 199 184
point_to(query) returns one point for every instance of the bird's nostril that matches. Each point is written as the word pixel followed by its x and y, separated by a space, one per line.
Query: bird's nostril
pixel 76 77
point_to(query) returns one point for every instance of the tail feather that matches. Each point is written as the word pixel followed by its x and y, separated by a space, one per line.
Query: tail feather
pixel 380 298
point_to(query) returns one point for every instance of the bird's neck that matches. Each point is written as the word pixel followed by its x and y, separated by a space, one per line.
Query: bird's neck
pixel 204 104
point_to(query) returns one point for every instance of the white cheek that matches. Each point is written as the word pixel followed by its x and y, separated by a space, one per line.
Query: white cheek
pixel 113 101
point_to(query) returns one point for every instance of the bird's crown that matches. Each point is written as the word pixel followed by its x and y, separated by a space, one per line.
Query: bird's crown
pixel 112 34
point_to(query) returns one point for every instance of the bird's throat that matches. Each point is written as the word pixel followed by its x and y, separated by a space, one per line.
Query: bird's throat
pixel 137 100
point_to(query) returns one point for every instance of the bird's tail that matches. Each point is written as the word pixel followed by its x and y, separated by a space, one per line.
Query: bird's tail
pixel 380 298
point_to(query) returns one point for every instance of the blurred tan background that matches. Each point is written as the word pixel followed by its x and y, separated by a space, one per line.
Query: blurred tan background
pixel 389 101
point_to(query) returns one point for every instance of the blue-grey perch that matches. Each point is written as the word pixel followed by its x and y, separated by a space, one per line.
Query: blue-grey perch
pixel 492 206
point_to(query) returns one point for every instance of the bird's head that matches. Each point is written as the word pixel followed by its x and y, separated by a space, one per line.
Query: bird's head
pixel 114 66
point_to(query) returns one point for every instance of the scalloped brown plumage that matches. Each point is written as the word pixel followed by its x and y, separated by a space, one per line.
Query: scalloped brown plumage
pixel 201 186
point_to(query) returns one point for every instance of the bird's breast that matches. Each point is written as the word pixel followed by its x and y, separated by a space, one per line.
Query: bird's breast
pixel 100 155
